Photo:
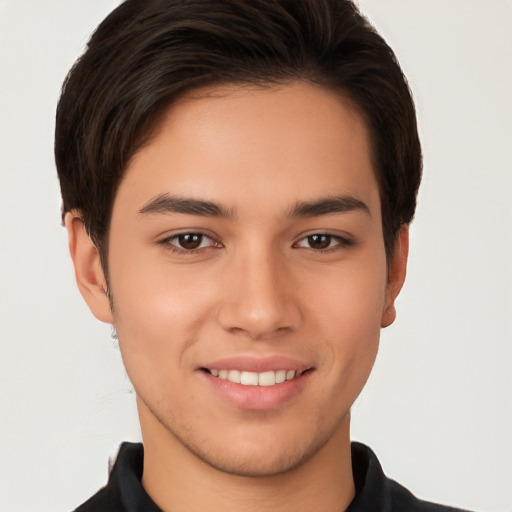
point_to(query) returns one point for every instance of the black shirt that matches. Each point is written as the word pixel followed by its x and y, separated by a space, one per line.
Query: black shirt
pixel 374 491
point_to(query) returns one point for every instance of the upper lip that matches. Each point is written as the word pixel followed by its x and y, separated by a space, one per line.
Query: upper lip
pixel 259 364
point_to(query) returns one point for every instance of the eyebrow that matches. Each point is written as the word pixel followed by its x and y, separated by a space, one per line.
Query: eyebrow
pixel 164 203
pixel 327 205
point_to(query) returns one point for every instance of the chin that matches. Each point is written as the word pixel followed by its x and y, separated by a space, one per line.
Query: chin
pixel 257 451
pixel 260 462
pixel 249 446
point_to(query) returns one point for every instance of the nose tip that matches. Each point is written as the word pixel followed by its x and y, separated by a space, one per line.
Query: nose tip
pixel 257 323
pixel 260 303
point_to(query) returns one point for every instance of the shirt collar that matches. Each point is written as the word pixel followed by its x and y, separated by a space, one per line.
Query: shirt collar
pixel 372 487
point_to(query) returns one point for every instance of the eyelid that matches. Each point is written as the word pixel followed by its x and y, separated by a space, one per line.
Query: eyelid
pixel 343 241
pixel 167 241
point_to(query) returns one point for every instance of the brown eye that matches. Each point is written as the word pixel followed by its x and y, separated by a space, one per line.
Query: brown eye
pixel 324 242
pixel 190 241
pixel 319 241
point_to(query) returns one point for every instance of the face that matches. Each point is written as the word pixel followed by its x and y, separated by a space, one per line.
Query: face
pixel 248 274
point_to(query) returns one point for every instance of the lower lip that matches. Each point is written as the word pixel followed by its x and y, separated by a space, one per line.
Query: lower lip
pixel 257 398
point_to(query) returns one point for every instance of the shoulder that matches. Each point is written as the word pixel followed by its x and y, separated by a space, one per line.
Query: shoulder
pixel 99 502
pixel 124 491
pixel 378 493
pixel 402 499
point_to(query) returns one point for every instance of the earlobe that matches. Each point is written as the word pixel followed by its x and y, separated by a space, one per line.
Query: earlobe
pixel 396 275
pixel 88 270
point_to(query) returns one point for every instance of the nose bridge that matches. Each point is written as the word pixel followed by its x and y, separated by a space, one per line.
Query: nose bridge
pixel 258 302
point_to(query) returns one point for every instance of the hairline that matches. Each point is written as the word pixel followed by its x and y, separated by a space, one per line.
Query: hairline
pixel 215 88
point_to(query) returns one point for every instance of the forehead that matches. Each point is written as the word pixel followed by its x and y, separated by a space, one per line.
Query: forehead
pixel 232 143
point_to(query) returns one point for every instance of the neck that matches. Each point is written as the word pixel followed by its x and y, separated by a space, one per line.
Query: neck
pixel 178 480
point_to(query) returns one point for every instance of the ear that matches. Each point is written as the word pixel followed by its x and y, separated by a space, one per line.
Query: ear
pixel 396 275
pixel 88 271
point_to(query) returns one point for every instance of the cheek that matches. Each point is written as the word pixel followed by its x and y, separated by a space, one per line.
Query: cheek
pixel 159 311
pixel 349 317
pixel 352 299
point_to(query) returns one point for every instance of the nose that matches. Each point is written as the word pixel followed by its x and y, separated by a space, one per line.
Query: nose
pixel 260 299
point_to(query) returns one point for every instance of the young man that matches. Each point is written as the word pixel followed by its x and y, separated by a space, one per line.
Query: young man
pixel 238 179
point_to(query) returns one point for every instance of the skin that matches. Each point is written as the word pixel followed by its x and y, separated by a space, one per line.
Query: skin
pixel 257 286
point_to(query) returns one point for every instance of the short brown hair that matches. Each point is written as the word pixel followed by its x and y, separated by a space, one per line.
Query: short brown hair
pixel 146 53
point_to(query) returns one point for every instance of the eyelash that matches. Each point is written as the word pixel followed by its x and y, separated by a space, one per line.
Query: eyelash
pixel 341 243
pixel 167 242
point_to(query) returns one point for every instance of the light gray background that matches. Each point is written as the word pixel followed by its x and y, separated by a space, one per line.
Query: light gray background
pixel 437 409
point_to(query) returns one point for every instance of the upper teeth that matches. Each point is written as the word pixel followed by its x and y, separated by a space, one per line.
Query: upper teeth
pixel 254 378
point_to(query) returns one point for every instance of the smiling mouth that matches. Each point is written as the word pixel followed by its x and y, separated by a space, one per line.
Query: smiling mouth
pixel 246 378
